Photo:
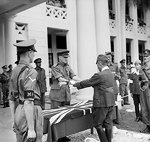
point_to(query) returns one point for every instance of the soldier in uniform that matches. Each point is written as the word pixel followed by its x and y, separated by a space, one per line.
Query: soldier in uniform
pixel 41 79
pixel 115 70
pixel 4 79
pixel 25 96
pixel 61 75
pixel 123 82
pixel 10 70
pixel 103 98
pixel 60 91
pixel 144 78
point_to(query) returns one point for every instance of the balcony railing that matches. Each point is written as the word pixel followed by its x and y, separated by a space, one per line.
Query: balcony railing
pixel 56 12
pixel 111 15
pixel 141 26
pixel 129 23
pixel 112 24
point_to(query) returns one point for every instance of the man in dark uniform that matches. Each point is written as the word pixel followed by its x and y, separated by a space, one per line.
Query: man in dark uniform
pixel 144 77
pixel 4 79
pixel 115 70
pixel 10 70
pixel 41 79
pixel 25 96
pixel 103 99
pixel 60 91
pixel 123 82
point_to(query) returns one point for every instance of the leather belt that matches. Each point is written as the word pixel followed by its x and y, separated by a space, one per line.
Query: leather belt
pixel 36 102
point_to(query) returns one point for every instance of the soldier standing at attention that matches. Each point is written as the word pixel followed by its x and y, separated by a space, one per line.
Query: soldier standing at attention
pixel 27 115
pixel 144 78
pixel 10 70
pixel 4 79
pixel 61 75
pixel 41 80
pixel 115 70
pixel 123 82
pixel 60 91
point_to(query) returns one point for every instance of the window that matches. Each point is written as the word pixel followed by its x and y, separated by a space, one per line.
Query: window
pixel 141 45
pixel 128 51
pixel 112 47
pixel 49 41
pixel 61 42
pixel 141 16
pixel 111 9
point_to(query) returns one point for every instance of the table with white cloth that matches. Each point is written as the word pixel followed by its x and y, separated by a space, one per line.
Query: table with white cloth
pixel 68 120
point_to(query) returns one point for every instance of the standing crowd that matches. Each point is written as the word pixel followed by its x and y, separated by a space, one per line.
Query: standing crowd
pixel 25 88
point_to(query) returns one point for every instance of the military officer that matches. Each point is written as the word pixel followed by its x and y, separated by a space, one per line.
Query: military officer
pixel 4 79
pixel 144 77
pixel 27 114
pixel 115 70
pixel 61 75
pixel 103 98
pixel 41 80
pixel 10 70
pixel 123 82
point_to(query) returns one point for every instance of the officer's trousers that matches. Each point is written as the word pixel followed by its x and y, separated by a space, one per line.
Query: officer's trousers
pixel 5 96
pixel 124 92
pixel 21 127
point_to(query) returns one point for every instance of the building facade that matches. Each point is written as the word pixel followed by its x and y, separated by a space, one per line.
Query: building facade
pixel 85 27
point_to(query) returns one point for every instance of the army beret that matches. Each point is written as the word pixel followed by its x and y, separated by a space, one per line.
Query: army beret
pixel 146 52
pixel 26 45
pixel 4 67
pixel 108 53
pixel 122 61
pixel 38 60
pixel 64 53
pixel 102 57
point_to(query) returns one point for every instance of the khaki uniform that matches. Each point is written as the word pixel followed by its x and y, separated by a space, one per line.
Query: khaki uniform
pixel 28 88
pixel 123 84
pixel 115 70
pixel 60 93
pixel 145 96
pixel 4 79
pixel 41 80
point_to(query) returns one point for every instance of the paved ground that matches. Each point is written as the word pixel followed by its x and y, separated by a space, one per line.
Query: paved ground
pixel 127 131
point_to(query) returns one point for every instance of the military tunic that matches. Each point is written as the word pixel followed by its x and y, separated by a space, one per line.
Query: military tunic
pixel 41 80
pixel 145 96
pixel 123 84
pixel 61 93
pixel 27 89
pixel 4 79
pixel 115 70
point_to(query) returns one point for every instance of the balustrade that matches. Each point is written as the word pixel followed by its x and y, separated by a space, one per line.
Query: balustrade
pixel 56 12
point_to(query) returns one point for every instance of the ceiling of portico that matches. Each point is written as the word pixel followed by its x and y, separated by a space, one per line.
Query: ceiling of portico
pixel 11 7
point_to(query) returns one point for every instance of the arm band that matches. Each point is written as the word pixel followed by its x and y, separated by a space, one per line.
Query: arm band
pixel 28 95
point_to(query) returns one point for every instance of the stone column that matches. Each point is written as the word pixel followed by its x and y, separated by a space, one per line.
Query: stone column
pixel 123 38
pixel 102 26
pixel 134 43
pixel 118 48
pixel 2 44
pixel 10 50
pixel 86 43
